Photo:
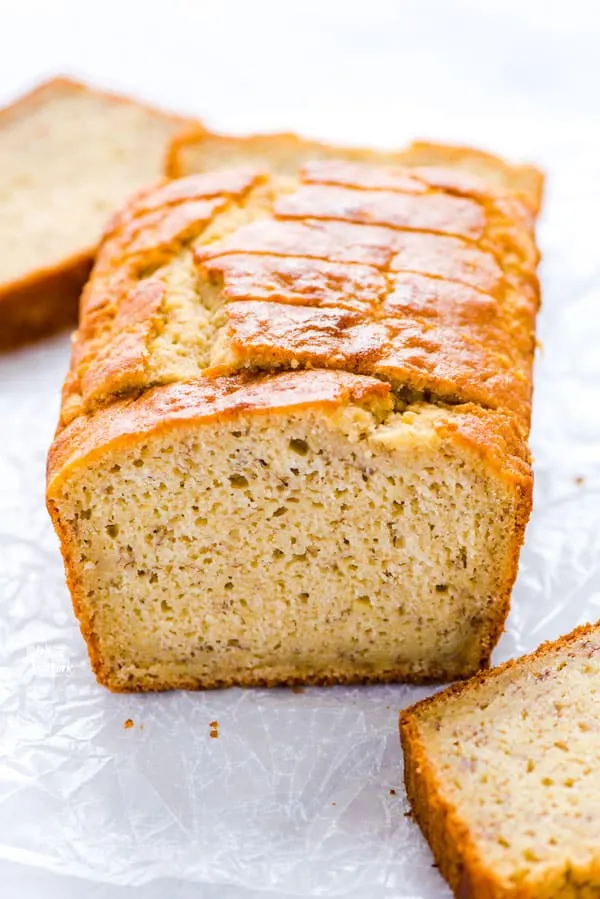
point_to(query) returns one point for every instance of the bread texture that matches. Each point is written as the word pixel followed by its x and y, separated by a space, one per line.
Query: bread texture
pixel 69 155
pixel 292 446
pixel 503 775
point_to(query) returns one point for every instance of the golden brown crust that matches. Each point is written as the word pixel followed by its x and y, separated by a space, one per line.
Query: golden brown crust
pixel 492 437
pixel 428 330
pixel 120 306
pixel 201 400
pixel 46 300
pixel 146 682
pixel 433 290
pixel 524 180
pixel 449 836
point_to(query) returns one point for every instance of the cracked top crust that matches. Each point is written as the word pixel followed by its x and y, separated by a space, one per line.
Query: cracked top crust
pixel 423 277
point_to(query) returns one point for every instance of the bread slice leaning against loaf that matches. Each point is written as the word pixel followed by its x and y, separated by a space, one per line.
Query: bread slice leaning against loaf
pixel 503 775
pixel 292 445
pixel 68 155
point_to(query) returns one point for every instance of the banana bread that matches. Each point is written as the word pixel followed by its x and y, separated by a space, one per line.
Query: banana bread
pixel 503 775
pixel 293 437
pixel 68 156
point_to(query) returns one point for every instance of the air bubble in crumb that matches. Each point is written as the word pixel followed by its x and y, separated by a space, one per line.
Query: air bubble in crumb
pixel 128 723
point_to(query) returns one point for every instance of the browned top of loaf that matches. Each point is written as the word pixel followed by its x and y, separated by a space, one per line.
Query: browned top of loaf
pixel 422 277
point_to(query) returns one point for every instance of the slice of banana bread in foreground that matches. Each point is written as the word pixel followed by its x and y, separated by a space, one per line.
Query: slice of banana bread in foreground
pixel 293 436
pixel 68 155
pixel 503 775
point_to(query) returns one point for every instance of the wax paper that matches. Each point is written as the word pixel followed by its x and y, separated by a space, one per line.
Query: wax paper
pixel 300 793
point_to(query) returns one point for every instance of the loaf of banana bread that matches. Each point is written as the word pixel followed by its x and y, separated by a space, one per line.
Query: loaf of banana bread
pixel 293 437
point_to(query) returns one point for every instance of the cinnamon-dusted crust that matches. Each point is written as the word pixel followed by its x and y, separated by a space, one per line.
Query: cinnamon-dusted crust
pixel 452 838
pixel 46 300
pixel 431 288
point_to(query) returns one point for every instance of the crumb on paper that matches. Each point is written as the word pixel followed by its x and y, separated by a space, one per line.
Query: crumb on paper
pixel 392 792
pixel 128 723
pixel 214 729
pixel 579 480
pixel 297 689
pixel 333 803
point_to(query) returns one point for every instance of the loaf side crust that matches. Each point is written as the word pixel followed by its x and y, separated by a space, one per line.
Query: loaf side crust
pixel 448 834
pixel 46 300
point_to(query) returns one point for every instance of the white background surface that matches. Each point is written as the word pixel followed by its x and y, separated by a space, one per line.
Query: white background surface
pixel 521 77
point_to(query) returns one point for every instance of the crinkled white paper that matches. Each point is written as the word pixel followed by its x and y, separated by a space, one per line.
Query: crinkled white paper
pixel 301 793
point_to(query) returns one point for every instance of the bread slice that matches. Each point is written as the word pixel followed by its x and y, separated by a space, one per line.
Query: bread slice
pixel 197 150
pixel 292 444
pixel 503 775
pixel 68 155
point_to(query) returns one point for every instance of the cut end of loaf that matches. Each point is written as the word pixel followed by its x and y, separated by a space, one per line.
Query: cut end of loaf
pixel 503 774
pixel 351 544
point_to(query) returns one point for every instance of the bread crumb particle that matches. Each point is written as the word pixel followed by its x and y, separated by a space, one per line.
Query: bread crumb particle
pixel 579 480
pixel 128 723
pixel 392 792
pixel 214 729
